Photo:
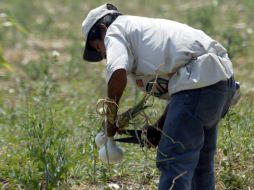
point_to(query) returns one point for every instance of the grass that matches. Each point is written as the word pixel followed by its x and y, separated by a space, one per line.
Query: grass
pixel 47 100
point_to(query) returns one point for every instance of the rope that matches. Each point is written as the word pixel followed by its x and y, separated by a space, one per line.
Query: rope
pixel 107 108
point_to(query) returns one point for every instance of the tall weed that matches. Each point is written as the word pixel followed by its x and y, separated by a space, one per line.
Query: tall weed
pixel 46 148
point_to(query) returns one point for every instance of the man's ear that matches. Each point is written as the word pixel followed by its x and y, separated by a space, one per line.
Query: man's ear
pixel 103 29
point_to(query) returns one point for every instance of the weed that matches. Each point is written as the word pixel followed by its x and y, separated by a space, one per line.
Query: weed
pixel 232 166
pixel 233 42
pixel 46 147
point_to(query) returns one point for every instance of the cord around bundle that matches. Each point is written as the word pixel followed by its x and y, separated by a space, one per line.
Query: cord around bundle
pixel 108 108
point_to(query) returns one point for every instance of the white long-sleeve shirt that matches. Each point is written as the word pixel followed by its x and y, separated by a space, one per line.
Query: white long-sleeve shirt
pixel 176 55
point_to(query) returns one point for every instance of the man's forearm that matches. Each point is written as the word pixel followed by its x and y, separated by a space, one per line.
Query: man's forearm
pixel 116 85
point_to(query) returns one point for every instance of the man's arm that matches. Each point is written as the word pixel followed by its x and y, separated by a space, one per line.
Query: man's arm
pixel 153 133
pixel 116 86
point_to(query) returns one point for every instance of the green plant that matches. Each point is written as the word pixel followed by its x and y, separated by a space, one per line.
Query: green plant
pixel 38 70
pixel 47 149
pixel 5 22
pixel 229 174
pixel 232 170
pixel 234 42
pixel 3 62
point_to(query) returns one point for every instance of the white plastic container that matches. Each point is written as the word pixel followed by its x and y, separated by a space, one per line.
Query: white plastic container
pixel 110 152
pixel 100 139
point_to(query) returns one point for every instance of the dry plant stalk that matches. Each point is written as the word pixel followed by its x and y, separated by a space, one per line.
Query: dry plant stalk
pixel 177 177
pixel 108 108
pixel 124 118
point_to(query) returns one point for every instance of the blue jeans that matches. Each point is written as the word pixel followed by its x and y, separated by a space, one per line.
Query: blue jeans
pixel 185 155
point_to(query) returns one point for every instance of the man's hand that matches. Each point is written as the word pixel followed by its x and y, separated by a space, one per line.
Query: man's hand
pixel 153 133
pixel 111 129
pixel 153 136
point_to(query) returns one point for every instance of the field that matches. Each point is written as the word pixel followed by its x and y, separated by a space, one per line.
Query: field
pixel 48 96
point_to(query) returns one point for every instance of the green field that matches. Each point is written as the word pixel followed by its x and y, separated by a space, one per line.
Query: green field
pixel 48 96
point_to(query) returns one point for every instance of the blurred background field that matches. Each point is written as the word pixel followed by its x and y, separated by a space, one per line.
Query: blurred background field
pixel 48 96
